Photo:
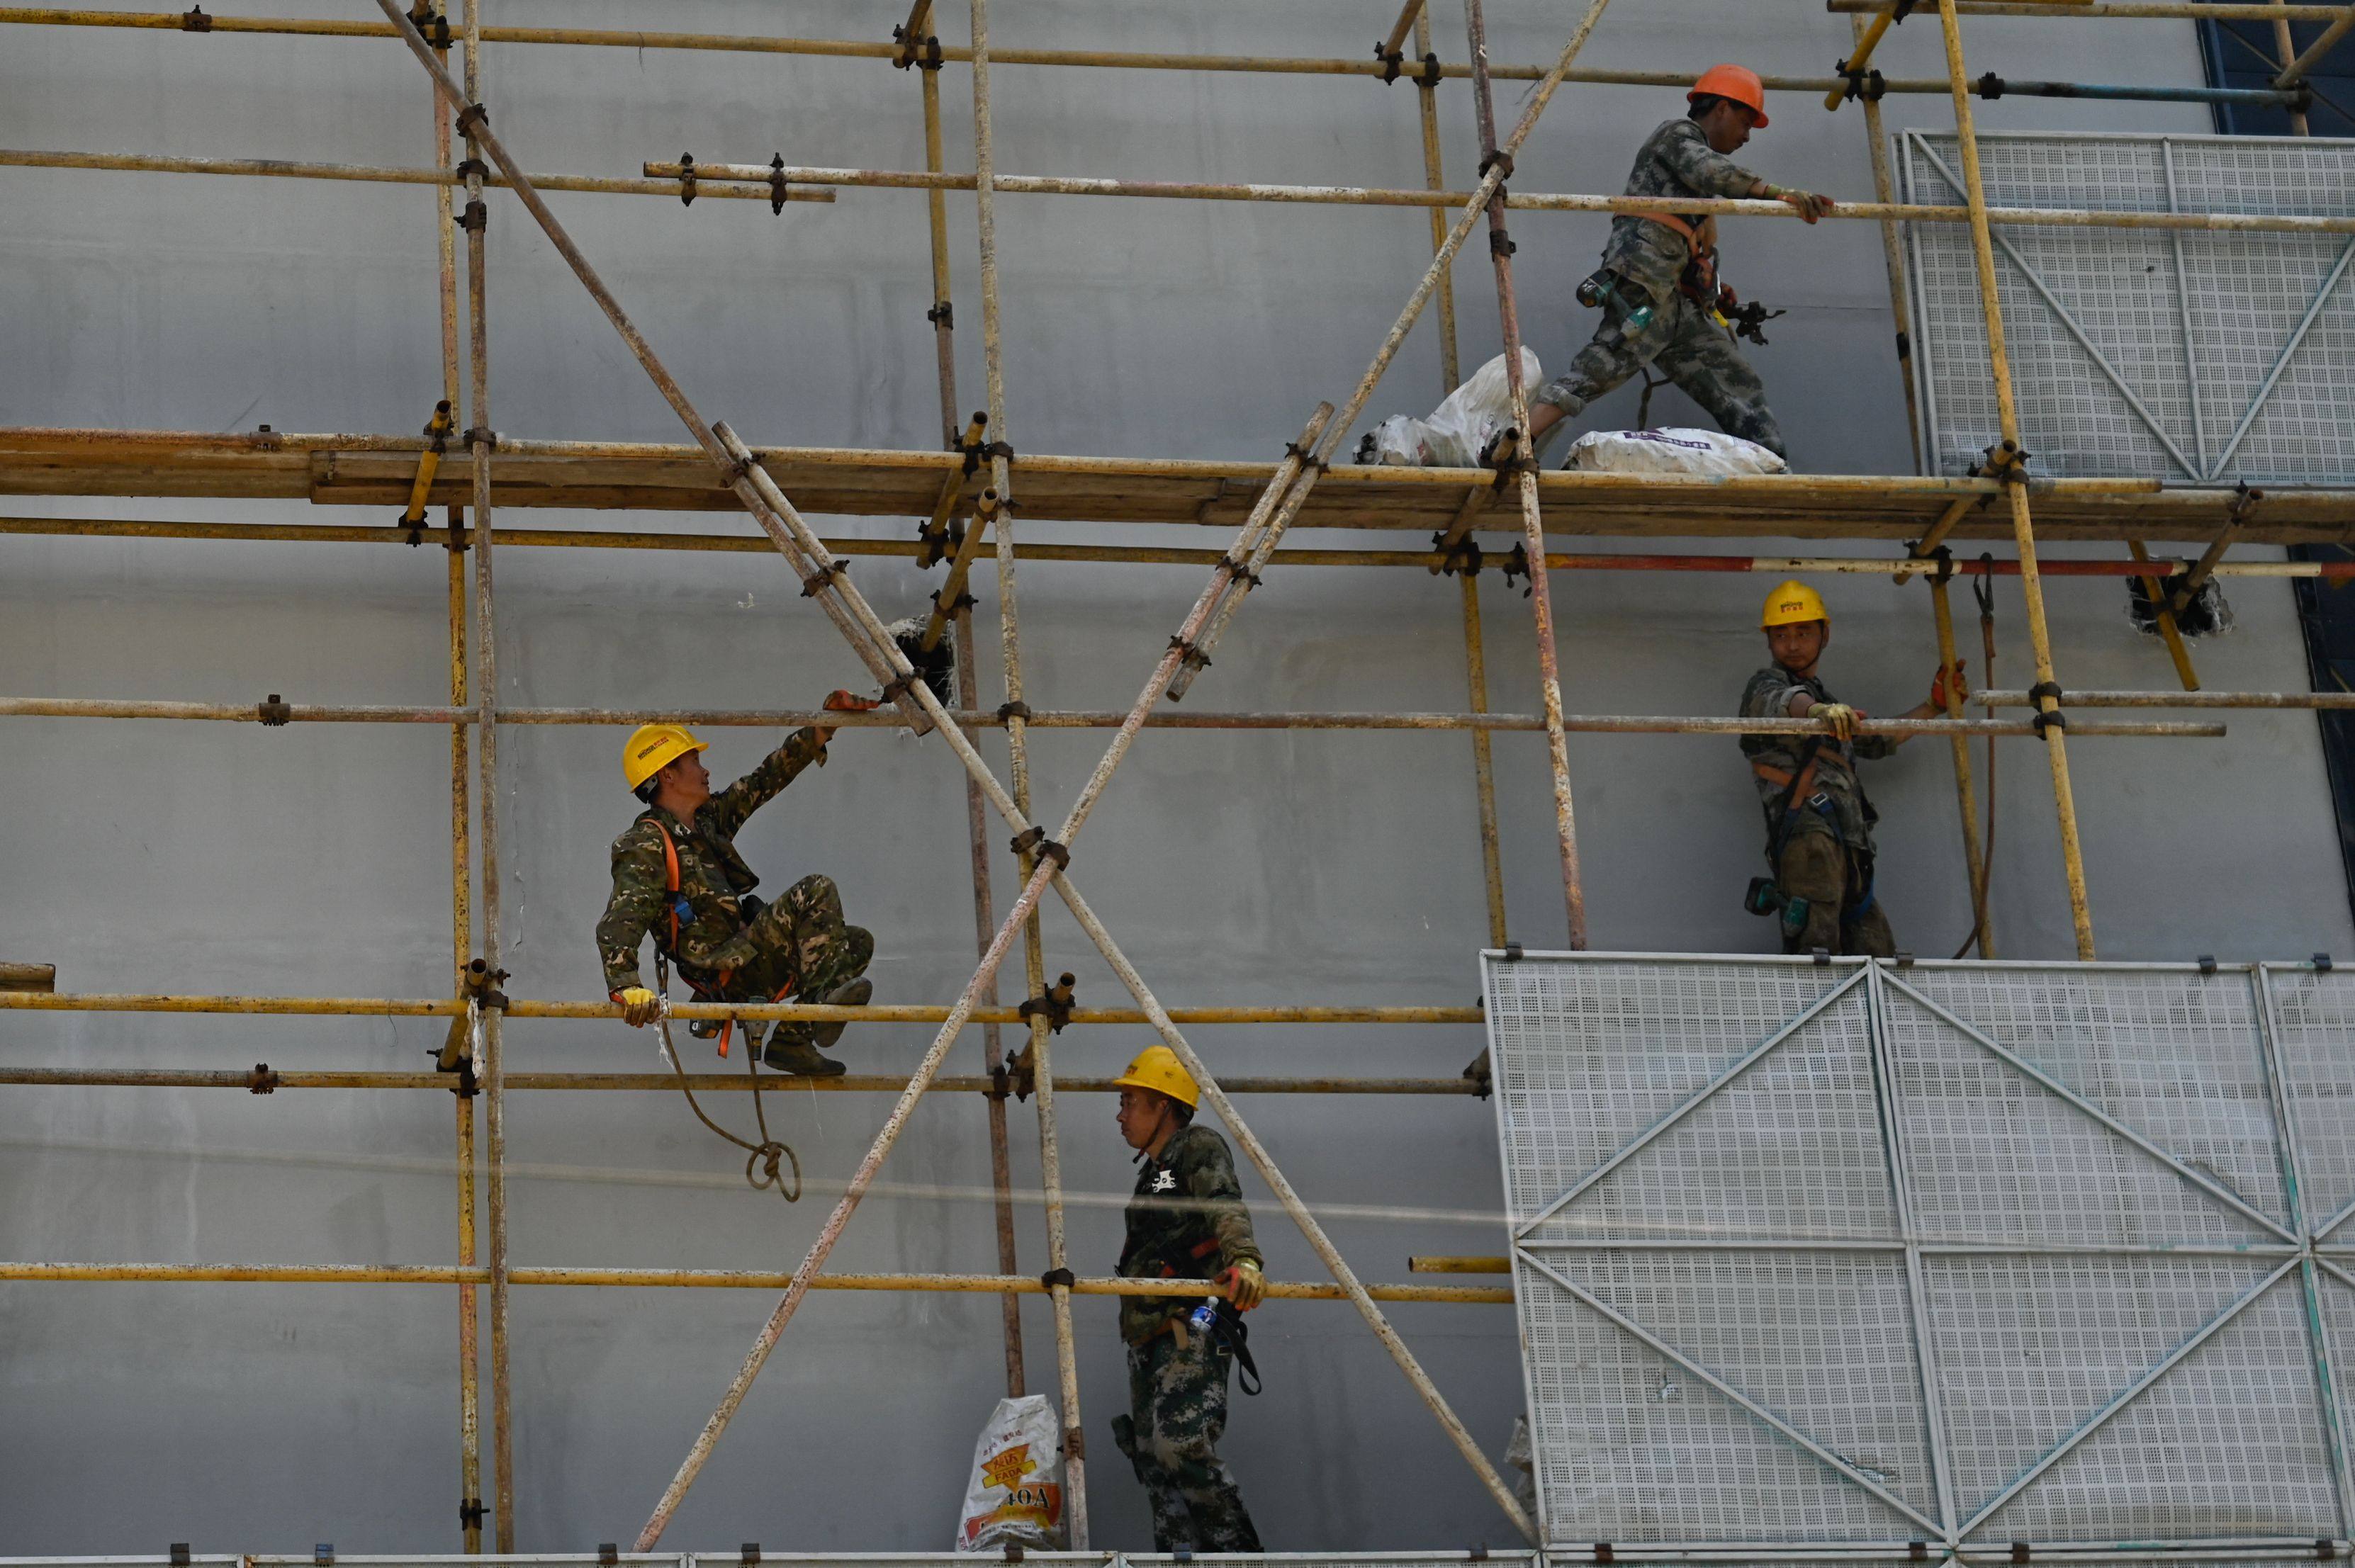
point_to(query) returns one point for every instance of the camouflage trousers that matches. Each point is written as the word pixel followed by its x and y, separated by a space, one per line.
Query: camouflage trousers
pixel 804 948
pixel 1178 1403
pixel 1835 880
pixel 1685 344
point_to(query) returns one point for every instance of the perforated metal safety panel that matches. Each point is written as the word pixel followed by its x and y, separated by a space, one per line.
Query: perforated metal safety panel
pixel 2191 356
pixel 1856 1255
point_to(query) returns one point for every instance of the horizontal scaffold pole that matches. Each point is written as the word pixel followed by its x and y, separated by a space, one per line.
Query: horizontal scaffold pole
pixel 767 718
pixel 1143 555
pixel 368 174
pixel 265 1080
pixel 2157 10
pixel 703 1278
pixel 2176 700
pixel 836 48
pixel 881 1012
pixel 1520 201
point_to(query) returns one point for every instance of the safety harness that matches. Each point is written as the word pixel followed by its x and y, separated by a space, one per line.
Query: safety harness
pixel 1698 279
pixel 1227 1325
pixel 680 911
pixel 1800 796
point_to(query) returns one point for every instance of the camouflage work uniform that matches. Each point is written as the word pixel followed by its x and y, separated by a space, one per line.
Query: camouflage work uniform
pixel 730 944
pixel 1683 338
pixel 1186 1221
pixel 1827 848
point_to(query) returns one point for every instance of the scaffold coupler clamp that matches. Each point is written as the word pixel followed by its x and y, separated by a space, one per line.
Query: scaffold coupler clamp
pixel 1239 570
pixel 687 179
pixel 1517 565
pixel 777 184
pixel 1391 59
pixel 261 1080
pixel 1033 839
pixel 1018 1073
pixel 973 447
pixel 1190 657
pixel 1867 84
pixel 1989 87
pixel 1053 1006
pixel 1461 558
pixel 2244 505
pixel 431 24
pixel 194 20
pixel 473 118
pixel 274 713
pixel 2005 462
pixel 1429 75
pixel 819 581
pixel 2046 719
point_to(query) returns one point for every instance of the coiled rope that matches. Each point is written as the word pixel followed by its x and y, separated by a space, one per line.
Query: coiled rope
pixel 763 1161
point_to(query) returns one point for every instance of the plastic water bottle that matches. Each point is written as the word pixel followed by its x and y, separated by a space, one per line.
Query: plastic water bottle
pixel 1203 1319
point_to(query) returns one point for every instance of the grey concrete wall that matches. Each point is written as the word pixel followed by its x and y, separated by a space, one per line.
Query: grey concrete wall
pixel 1259 867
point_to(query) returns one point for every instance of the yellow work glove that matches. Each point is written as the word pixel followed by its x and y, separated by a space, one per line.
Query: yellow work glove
pixel 1246 1287
pixel 639 1006
pixel 1810 206
pixel 1839 717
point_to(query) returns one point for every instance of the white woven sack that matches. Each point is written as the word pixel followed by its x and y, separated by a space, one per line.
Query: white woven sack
pixel 1676 449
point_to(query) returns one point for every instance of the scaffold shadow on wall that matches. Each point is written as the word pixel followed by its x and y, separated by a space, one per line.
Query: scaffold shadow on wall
pixel 2194 357
pixel 1987 1257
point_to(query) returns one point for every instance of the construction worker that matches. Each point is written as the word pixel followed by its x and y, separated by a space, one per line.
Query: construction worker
pixel 676 875
pixel 1819 822
pixel 1186 1221
pixel 1657 285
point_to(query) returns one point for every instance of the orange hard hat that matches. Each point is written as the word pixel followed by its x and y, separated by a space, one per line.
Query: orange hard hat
pixel 1739 83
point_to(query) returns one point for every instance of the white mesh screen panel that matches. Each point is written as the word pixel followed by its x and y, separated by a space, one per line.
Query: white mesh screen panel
pixel 2141 351
pixel 1851 1255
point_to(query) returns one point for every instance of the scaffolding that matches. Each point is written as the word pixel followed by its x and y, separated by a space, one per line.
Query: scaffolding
pixel 965 493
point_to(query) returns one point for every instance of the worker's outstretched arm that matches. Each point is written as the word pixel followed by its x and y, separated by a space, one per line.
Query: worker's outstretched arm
pixel 641 887
pixel 731 806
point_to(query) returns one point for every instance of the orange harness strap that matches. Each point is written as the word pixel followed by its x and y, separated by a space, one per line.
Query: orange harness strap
pixel 670 873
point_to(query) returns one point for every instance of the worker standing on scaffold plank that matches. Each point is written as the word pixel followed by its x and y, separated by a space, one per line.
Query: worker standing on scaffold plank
pixel 1818 822
pixel 1662 304
pixel 1186 1221
pixel 676 875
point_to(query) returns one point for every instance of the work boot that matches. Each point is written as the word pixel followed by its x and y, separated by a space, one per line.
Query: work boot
pixel 795 1046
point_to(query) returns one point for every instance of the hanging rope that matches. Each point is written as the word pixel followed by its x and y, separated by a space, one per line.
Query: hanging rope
pixel 1983 590
pixel 763 1161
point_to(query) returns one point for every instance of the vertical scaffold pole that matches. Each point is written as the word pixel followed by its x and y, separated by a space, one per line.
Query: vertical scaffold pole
pixel 1050 1165
pixel 2286 47
pixel 1451 376
pixel 489 1072
pixel 915 48
pixel 462 934
pixel 2023 532
pixel 1941 607
pixel 1501 247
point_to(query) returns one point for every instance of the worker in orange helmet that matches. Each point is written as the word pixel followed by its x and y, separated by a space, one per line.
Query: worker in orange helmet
pixel 1657 287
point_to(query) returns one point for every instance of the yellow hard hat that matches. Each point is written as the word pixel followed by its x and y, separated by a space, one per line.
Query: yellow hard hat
pixel 1157 1069
pixel 1792 601
pixel 653 748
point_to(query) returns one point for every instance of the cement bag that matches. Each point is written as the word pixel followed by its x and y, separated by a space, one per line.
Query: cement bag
pixel 1016 1496
pixel 1678 450
pixel 1458 428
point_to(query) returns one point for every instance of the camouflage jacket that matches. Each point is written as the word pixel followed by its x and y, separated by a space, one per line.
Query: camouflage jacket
pixel 712 877
pixel 1768 696
pixel 1676 160
pixel 1186 1221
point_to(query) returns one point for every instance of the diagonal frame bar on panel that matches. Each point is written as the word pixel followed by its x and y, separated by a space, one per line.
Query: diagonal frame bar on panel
pixel 2281 361
pixel 1748 1060
pixel 770 507
pixel 2293 1165
pixel 1838 1465
pixel 2214 1189
pixel 2070 323
pixel 1917 1294
pixel 2127 1395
